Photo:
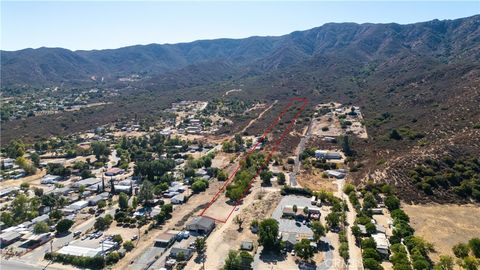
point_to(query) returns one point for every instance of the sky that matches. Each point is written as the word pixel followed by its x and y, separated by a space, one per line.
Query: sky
pixel 112 24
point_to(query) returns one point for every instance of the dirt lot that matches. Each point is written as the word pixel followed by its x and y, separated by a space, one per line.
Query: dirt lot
pixel 257 205
pixel 314 181
pixel 444 225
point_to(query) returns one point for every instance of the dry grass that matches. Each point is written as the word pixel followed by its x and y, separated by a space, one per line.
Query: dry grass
pixel 444 225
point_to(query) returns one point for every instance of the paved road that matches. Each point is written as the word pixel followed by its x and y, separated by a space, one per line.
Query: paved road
pixel 299 150
pixel 13 264
pixel 328 261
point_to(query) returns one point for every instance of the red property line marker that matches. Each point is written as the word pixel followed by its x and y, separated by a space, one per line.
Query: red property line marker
pixel 252 149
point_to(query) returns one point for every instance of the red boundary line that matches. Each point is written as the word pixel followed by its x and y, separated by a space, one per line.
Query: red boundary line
pixel 277 142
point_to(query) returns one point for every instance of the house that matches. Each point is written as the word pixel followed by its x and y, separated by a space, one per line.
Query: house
pixel 290 240
pixel 114 171
pixel 42 218
pixel 95 199
pixel 382 243
pixel 336 173
pixel 50 179
pixel 246 245
pixel 77 206
pixel 165 240
pixel 86 182
pixel 200 172
pixel 8 238
pixel 363 229
pixel 8 190
pixel 380 229
pixel 37 239
pixel 178 199
pixel 325 154
pixel 329 139
pixel 175 251
pixel 202 225
pixel 377 211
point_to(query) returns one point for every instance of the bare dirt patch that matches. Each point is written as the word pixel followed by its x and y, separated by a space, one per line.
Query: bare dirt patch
pixel 314 181
pixel 444 225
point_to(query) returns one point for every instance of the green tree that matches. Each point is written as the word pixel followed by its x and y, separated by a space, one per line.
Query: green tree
pixel 333 220
pixel 304 250
pixel 395 135
pixel 128 245
pixel 35 159
pixel 15 149
pixel 281 178
pixel 134 202
pixel 266 177
pixel 222 175
pixel 294 208
pixel 63 226
pixel 239 221
pixel 101 204
pixel 446 263
pixel 100 149
pixel 117 238
pixel 123 200
pixel 469 263
pixel 392 202
pixel 268 232
pixel 345 144
pixel 461 250
pixel 146 192
pixel 100 224
pixel 474 245
pixel 24 186
pixel 318 230
pixel 40 227
pixel 371 264
pixel 356 232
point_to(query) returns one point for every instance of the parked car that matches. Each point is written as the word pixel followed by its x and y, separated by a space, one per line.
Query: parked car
pixel 77 233
pixel 135 237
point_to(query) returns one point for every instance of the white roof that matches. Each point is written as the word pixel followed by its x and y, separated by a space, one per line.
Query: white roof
pixel 381 240
pixel 80 251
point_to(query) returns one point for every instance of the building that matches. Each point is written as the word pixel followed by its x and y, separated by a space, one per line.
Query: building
pixel 246 245
pixel 42 218
pixel 325 154
pixel 95 199
pixel 77 206
pixel 313 212
pixel 290 240
pixel 382 243
pixel 201 225
pixel 114 171
pixel 336 173
pixel 165 240
pixel 175 251
pixel 8 238
pixel 86 182
pixel 178 199
pixel 50 179
pixel 7 191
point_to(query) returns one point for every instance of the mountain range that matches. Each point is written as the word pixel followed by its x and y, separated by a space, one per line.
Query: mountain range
pixel 449 41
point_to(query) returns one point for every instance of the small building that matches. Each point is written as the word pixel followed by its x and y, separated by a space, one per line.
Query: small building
pixel 8 238
pixel 290 240
pixel 42 218
pixel 383 245
pixel 95 199
pixel 246 245
pixel 165 240
pixel 377 211
pixel 178 199
pixel 325 154
pixel 8 190
pixel 175 251
pixel 336 174
pixel 50 179
pixel 202 225
pixel 114 171
pixel 77 206
pixel 86 182
pixel 380 229
pixel 200 172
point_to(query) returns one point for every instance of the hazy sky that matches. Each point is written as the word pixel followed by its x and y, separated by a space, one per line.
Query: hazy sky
pixel 113 24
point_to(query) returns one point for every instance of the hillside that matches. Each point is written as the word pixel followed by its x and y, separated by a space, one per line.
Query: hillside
pixel 422 80
pixel 448 41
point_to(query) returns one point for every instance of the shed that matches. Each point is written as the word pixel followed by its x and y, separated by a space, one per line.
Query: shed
pixel 8 238
pixel 247 245
pixel 201 225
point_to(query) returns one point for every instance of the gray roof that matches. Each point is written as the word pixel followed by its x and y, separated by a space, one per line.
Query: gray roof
pixel 202 222
pixel 247 245
pixel 40 218
pixel 9 236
